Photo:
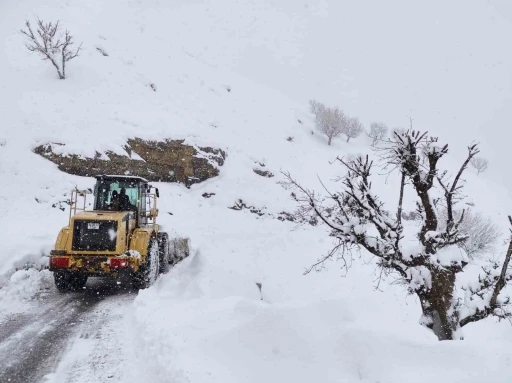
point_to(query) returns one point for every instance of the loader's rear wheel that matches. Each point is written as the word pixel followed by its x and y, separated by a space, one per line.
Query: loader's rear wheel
pixel 148 272
pixel 66 281
pixel 163 244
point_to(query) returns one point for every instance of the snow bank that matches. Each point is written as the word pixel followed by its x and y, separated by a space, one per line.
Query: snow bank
pixel 183 336
pixel 22 288
pixel 206 320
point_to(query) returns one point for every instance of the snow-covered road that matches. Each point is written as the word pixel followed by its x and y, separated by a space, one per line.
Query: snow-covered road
pixel 72 337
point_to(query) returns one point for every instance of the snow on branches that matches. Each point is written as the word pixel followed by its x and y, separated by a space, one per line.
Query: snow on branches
pixel 46 42
pixel 357 217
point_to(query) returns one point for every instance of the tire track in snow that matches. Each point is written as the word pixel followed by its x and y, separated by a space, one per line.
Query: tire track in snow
pixel 32 345
pixel 38 345
pixel 97 353
pixel 12 324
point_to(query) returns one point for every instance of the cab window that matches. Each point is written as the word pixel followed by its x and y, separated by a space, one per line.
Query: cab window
pixel 117 195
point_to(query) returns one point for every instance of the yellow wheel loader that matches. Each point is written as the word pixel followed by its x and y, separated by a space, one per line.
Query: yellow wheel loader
pixel 119 237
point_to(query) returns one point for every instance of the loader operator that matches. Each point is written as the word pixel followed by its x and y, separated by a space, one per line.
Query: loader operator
pixel 114 205
pixel 124 201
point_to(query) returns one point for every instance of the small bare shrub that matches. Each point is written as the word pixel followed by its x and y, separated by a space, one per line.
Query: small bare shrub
pixel 51 46
pixel 378 131
pixel 352 128
pixel 480 164
pixel 482 233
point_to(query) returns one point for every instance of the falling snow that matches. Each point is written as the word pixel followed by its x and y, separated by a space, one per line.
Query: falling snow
pixel 238 75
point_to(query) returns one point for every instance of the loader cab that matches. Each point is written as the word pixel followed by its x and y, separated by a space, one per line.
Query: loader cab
pixel 119 193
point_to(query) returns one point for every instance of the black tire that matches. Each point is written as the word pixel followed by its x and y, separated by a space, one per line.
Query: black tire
pixel 163 247
pixel 66 281
pixel 148 272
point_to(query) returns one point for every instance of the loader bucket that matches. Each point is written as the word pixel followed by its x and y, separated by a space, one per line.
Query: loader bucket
pixel 179 249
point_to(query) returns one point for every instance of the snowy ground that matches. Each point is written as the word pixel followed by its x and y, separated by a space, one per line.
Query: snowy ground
pixel 50 337
pixel 238 76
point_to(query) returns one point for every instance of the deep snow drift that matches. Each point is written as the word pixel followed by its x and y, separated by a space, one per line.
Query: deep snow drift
pixel 238 76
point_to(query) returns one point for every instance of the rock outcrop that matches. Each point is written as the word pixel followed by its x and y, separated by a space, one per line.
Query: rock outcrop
pixel 159 161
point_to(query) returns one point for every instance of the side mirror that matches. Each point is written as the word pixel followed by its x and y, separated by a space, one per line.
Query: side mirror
pixel 157 192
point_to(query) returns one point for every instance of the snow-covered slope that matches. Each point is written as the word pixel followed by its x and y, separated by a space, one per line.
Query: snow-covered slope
pixel 238 76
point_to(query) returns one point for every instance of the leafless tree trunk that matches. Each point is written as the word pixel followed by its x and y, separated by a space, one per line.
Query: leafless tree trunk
pixel 436 303
pixel 56 49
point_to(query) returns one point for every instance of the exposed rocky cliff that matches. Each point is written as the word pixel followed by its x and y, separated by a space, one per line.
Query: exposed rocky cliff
pixel 161 161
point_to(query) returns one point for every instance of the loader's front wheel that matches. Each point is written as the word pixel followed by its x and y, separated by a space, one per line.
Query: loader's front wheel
pixel 66 281
pixel 148 272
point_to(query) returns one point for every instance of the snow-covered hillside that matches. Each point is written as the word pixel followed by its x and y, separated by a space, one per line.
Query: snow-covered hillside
pixel 237 75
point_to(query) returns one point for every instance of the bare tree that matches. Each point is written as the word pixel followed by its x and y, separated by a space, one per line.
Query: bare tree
pixel 51 46
pixel 329 120
pixel 352 127
pixel 480 164
pixel 429 261
pixel 378 131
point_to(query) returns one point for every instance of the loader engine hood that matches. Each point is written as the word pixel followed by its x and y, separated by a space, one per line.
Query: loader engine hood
pixel 97 231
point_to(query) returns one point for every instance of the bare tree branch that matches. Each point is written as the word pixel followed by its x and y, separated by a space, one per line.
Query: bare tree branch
pixel 450 193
